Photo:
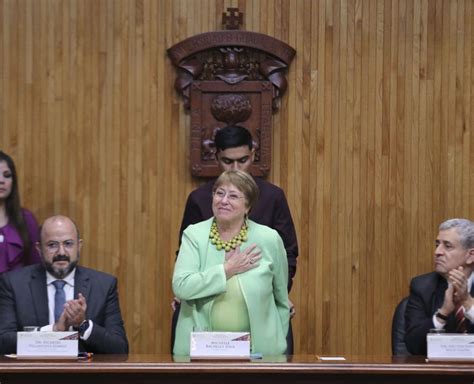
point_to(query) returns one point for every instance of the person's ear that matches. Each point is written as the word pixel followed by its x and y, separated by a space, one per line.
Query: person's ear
pixel 252 156
pixel 38 247
pixel 470 256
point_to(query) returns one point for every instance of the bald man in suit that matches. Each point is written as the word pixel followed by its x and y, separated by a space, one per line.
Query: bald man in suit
pixel 91 305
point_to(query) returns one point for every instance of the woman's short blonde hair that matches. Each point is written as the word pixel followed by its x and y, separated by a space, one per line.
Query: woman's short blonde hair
pixel 243 182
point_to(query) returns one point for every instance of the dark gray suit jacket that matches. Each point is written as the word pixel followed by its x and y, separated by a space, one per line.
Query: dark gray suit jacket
pixel 24 301
pixel 426 297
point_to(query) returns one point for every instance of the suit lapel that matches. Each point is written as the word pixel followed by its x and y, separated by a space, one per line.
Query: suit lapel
pixel 81 283
pixel 39 294
pixel 441 286
pixel 471 326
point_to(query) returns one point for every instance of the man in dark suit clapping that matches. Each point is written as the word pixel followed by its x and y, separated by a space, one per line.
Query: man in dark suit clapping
pixel 59 295
pixel 443 299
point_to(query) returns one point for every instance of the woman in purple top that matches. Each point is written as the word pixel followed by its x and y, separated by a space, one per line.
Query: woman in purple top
pixel 18 227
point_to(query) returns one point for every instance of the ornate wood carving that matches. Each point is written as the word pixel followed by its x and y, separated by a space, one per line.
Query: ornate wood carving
pixel 232 20
pixel 230 77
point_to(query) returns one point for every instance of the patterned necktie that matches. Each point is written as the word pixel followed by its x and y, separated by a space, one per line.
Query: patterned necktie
pixel 59 299
pixel 461 323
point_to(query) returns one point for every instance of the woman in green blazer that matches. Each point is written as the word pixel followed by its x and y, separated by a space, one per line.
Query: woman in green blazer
pixel 231 273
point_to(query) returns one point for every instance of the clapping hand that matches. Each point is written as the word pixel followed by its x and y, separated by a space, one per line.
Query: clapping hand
pixel 76 311
pixel 73 315
pixel 457 292
pixel 459 281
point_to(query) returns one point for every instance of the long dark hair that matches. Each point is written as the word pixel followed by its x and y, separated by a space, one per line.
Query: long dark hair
pixel 13 206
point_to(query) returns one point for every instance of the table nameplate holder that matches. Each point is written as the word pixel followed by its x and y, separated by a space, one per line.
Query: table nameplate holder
pixel 47 345
pixel 220 345
pixel 450 346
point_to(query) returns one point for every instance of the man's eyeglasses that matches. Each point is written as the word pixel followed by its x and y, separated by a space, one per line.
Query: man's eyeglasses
pixel 231 196
pixel 53 246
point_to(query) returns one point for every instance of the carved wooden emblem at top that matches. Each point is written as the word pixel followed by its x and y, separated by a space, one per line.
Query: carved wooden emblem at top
pixel 230 77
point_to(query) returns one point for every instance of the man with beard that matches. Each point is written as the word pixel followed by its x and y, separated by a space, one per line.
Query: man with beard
pixel 59 295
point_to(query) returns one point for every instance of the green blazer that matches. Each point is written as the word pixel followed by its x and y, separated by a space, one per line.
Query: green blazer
pixel 199 278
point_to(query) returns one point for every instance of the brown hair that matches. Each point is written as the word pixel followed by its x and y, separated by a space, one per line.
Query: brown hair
pixel 243 182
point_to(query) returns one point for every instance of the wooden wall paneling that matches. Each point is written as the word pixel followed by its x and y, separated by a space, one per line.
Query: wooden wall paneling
pixel 337 192
pixel 460 115
pixel 297 130
pixel 277 119
pixel 373 121
pixel 427 222
pixel 20 91
pixel 302 139
pixel 426 139
pixel 446 198
pixel 327 228
pixel 421 147
pixel 372 144
pixel 418 151
pixel 312 274
pixel 280 154
pixel 408 206
pixel 338 169
pixel 161 250
pixel 354 196
pixel 141 172
pixel 469 101
pixel 346 123
pixel 450 116
pixel 382 181
pixel 150 196
pixel 317 316
pixel 437 22
pixel 361 170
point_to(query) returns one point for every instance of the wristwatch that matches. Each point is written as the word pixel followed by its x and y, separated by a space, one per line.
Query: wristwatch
pixel 83 328
pixel 439 315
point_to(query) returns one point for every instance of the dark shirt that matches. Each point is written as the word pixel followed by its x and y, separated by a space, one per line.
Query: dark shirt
pixel 271 210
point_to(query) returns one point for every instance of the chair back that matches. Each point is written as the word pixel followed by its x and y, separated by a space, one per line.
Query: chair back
pixel 399 347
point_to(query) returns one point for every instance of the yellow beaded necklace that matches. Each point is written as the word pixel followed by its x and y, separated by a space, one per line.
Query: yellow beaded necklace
pixel 238 239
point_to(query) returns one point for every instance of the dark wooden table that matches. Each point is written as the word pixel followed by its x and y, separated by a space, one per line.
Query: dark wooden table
pixel 296 370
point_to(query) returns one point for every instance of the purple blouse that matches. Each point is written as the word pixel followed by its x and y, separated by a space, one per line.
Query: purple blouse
pixel 11 245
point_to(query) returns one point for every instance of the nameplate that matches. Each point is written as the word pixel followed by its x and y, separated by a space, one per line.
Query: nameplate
pixel 450 347
pixel 57 345
pixel 220 345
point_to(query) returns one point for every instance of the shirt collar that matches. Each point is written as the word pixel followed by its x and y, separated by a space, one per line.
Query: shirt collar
pixel 69 279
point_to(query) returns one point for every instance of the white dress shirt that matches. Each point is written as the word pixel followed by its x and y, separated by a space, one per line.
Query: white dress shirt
pixel 69 292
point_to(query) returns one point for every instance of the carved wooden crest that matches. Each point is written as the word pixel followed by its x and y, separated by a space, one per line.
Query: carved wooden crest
pixel 230 77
